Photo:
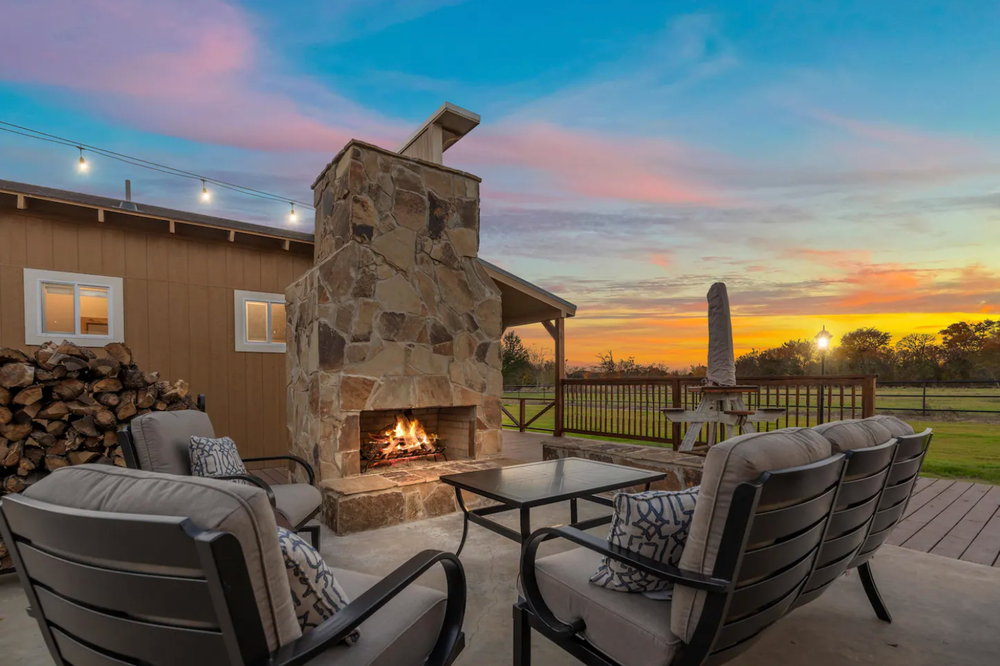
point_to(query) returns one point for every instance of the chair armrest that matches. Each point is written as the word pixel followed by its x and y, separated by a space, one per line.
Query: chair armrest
pixel 300 461
pixel 250 478
pixel 647 565
pixel 351 616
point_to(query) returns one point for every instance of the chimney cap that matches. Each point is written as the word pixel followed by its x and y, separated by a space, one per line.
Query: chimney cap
pixel 455 122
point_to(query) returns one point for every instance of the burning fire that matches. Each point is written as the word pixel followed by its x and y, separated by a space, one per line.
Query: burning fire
pixel 406 436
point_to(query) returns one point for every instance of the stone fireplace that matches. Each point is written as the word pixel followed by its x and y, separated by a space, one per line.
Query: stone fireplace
pixel 397 315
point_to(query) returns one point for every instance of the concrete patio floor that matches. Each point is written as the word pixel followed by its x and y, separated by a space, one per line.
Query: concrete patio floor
pixel 945 610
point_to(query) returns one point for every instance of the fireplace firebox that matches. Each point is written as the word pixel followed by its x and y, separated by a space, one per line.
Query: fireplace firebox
pixel 388 437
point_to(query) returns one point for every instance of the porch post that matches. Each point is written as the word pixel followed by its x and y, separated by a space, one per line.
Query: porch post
pixel 560 339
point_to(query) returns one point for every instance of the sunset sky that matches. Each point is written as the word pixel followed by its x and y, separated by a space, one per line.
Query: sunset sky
pixel 835 163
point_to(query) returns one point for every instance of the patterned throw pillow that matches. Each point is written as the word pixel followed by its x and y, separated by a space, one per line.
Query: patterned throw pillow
pixel 215 457
pixel 655 524
pixel 315 592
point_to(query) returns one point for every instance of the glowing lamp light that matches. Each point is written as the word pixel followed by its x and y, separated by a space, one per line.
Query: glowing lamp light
pixel 82 166
pixel 206 196
pixel 293 217
pixel 823 339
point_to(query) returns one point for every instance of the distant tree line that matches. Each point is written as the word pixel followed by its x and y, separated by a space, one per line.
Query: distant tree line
pixel 962 351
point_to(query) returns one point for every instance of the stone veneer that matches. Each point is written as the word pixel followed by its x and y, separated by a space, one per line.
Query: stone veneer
pixel 397 311
pixel 683 469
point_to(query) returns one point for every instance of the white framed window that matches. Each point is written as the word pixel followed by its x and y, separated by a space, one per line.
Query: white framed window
pixel 86 310
pixel 260 322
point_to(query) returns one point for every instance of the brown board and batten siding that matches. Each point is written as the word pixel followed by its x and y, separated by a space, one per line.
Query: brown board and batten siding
pixel 178 302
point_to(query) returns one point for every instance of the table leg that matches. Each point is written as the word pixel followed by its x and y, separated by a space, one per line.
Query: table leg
pixel 525 523
pixel 465 520
pixel 573 518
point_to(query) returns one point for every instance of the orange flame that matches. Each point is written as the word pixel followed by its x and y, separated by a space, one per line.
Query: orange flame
pixel 407 436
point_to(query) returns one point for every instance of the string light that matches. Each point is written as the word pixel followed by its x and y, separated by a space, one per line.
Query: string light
pixel 206 194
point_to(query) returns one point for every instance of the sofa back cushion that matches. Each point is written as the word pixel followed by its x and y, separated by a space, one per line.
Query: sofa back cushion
pixel 241 510
pixel 162 439
pixel 727 465
pixel 896 426
pixel 853 434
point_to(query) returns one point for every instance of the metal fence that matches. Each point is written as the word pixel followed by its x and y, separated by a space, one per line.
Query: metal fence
pixel 940 397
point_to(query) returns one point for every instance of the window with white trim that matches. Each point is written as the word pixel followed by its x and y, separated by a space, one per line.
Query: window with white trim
pixel 260 322
pixel 83 309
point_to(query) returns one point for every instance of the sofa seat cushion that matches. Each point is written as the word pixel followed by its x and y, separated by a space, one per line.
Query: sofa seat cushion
pixel 402 632
pixel 296 501
pixel 162 439
pixel 851 434
pixel 630 628
pixel 243 511
pixel 654 523
pixel 896 426
pixel 727 465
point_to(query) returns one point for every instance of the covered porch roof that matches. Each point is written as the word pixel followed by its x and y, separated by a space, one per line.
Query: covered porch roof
pixel 526 303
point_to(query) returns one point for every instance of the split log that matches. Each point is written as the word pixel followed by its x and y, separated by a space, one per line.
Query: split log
pixel 13 454
pixel 4 396
pixel 119 352
pixel 104 367
pixel 16 375
pixel 5 415
pixel 82 457
pixel 146 397
pixel 54 410
pixel 52 463
pixel 160 406
pixel 13 484
pixel 105 420
pixel 106 385
pixel 56 427
pixel 15 431
pixel 29 395
pixel 68 389
pixel 175 392
pixel 43 375
pixel 8 355
pixel 79 408
pixel 85 426
pixel 134 378
pixel 126 411
pixel 107 399
pixel 58 449
pixel 31 411
pixel 110 439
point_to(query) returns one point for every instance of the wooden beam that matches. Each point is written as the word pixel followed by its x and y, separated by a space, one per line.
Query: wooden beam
pixel 550 327
pixel 22 202
pixel 560 354
pixel 173 227
pixel 232 236
pixel 285 244
pixel 100 214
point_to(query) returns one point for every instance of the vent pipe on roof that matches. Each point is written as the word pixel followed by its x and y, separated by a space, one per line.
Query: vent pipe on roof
pixel 127 204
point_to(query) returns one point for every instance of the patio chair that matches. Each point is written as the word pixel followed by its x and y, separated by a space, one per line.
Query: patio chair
pixel 762 514
pixel 124 566
pixel 160 441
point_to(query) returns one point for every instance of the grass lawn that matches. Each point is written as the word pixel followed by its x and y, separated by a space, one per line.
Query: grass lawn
pixel 962 450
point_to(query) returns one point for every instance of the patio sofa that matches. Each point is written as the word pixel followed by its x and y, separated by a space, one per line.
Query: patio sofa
pixel 780 515
pixel 125 566
pixel 160 441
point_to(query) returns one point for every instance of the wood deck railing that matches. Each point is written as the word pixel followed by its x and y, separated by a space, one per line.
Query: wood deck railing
pixel 630 408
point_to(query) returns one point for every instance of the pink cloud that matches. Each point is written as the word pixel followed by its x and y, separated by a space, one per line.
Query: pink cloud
pixel 188 68
pixel 662 259
pixel 585 164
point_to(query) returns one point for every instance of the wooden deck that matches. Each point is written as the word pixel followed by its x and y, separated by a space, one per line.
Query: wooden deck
pixel 955 519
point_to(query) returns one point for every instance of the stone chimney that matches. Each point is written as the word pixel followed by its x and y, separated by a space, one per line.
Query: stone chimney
pixel 396 314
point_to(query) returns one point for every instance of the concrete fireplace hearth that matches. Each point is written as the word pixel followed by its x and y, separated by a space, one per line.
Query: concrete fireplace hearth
pixel 397 316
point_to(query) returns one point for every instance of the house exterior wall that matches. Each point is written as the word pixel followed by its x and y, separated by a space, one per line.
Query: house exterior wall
pixel 178 303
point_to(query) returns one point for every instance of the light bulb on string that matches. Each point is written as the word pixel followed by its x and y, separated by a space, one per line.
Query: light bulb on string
pixel 206 196
pixel 293 217
pixel 82 166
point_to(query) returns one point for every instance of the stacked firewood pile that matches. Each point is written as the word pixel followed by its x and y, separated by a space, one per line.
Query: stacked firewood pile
pixel 63 405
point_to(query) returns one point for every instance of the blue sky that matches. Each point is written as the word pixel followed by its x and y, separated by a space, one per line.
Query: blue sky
pixel 834 162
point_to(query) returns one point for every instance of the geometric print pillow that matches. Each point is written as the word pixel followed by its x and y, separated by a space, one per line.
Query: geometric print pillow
pixel 215 457
pixel 656 524
pixel 316 594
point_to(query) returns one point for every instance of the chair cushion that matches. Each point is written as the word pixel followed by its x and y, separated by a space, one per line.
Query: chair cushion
pixel 211 505
pixel 315 591
pixel 297 501
pixel 896 426
pixel 162 439
pixel 727 465
pixel 654 524
pixel 403 631
pixel 630 628
pixel 215 457
pixel 853 434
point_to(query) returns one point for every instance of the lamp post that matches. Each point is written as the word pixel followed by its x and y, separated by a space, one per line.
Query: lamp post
pixel 823 342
